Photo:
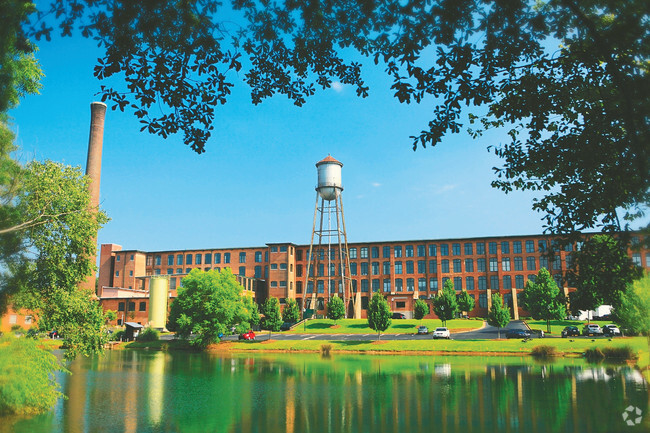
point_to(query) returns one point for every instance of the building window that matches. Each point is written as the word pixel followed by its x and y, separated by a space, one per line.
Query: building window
pixel 507 282
pixel 647 260
pixel 444 249
pixel 480 248
pixel 283 283
pixel 242 271
pixel 266 256
pixel 364 252
pixel 274 249
pixel 494 265
pixel 283 266
pixel 120 306
pixel 505 264
pixel 117 273
pixel 298 286
pixel 542 246
pixel 469 283
pixel 131 306
pixel 172 284
pixel 433 284
pixel 149 260
pixel 398 268
pixel 242 257
pixel 519 281
pixel 530 246
pixel 433 267
pixel 374 252
pixel 482 283
pixel 557 262
pixel 444 280
pixel 364 268
pixel 519 264
pixel 422 284
pixel 142 306
pixel 226 257
pixel 558 279
pixel 455 249
pixel 422 251
pixel 386 285
pixel 568 248
pixel 283 248
pixel 398 251
pixel 188 259
pixel 365 287
pixel 217 258
pixel 410 285
pixel 198 259
pixel 386 252
pixel 422 266
pixel 469 265
pixel 353 253
pixel 543 262
pixel 275 283
pixel 157 259
pixel 208 259
pixel 444 266
pixel 480 265
pixel 188 270
pixel 482 300
pixel 170 260
pixel 505 247
pixel 130 273
pixel 274 266
pixel 399 285
pixel 375 268
pixel 494 282
pixel 530 263
pixel 492 247
pixel 516 247
pixel 433 250
pixel 170 271
pixel 258 257
pixel 468 249
pixel 258 272
pixel 457 265
pixel 409 251
pixel 458 283
pixel 409 267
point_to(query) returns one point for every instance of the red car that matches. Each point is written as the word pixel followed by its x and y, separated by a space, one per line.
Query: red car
pixel 250 335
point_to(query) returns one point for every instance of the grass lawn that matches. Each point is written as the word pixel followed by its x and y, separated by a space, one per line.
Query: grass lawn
pixel 558 325
pixel 563 346
pixel 360 326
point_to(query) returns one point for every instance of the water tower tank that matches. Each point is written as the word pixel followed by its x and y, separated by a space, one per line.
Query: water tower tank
pixel 329 178
pixel 158 288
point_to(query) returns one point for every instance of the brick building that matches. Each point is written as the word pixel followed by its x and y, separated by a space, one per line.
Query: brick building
pixel 403 271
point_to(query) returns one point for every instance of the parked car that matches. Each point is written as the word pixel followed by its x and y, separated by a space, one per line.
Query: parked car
pixel 611 330
pixel 287 326
pixel 423 330
pixel 539 333
pixel 441 333
pixel 249 335
pixel 570 331
pixel 517 333
pixel 399 316
pixel 53 334
pixel 592 329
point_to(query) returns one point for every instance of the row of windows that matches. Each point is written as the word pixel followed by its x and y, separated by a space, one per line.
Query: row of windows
pixel 118 258
pixel 199 259
pixel 131 306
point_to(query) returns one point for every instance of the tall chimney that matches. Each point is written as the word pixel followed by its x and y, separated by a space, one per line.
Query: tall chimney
pixel 94 170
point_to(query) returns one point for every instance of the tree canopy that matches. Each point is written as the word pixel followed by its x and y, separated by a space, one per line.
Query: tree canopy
pixel 420 309
pixel 499 314
pixel 272 318
pixel 335 309
pixel 465 301
pixel 567 80
pixel 209 304
pixel 445 305
pixel 379 315
pixel 543 299
pixel 633 312
pixel 291 312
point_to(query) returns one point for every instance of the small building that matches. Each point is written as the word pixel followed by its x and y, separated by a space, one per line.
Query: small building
pixel 132 331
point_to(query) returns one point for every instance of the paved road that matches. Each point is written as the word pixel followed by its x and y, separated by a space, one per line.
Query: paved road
pixel 486 333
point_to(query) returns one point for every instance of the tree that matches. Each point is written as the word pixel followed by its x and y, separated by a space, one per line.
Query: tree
pixel 335 308
pixel 272 318
pixel 575 113
pixel 379 314
pixel 51 255
pixel 208 304
pixel 465 302
pixel 420 309
pixel 499 315
pixel 543 299
pixel 291 312
pixel 601 272
pixel 445 305
pixel 110 316
pixel 633 311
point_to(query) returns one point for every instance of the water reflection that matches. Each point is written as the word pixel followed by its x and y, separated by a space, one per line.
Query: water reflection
pixel 144 391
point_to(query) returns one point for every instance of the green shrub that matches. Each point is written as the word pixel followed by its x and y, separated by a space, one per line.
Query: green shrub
pixel 619 353
pixel 27 384
pixel 543 351
pixel 325 350
pixel 117 335
pixel 594 355
pixel 16 328
pixel 149 334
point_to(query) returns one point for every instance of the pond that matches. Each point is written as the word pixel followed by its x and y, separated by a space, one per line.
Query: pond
pixel 148 391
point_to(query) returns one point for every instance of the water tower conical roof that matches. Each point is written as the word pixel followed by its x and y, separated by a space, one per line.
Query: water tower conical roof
pixel 329 159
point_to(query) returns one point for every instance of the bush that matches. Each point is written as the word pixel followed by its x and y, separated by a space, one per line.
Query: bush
pixel 16 328
pixel 117 335
pixel 594 355
pixel 543 351
pixel 325 350
pixel 624 353
pixel 149 334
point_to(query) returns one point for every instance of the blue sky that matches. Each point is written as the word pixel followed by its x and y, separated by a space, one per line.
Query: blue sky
pixel 255 183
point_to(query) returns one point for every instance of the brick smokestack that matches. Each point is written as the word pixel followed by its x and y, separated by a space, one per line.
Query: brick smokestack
pixel 94 168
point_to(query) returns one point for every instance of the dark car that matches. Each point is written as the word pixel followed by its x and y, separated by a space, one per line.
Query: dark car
pixel 611 330
pixel 517 333
pixel 399 316
pixel 286 326
pixel 570 331
pixel 249 335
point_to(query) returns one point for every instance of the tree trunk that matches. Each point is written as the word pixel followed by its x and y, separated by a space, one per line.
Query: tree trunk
pixel 548 325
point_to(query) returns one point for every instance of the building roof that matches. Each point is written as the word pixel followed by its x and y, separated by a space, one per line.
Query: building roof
pixel 329 159
pixel 133 325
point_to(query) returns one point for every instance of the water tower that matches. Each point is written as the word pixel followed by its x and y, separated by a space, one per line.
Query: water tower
pixel 328 263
